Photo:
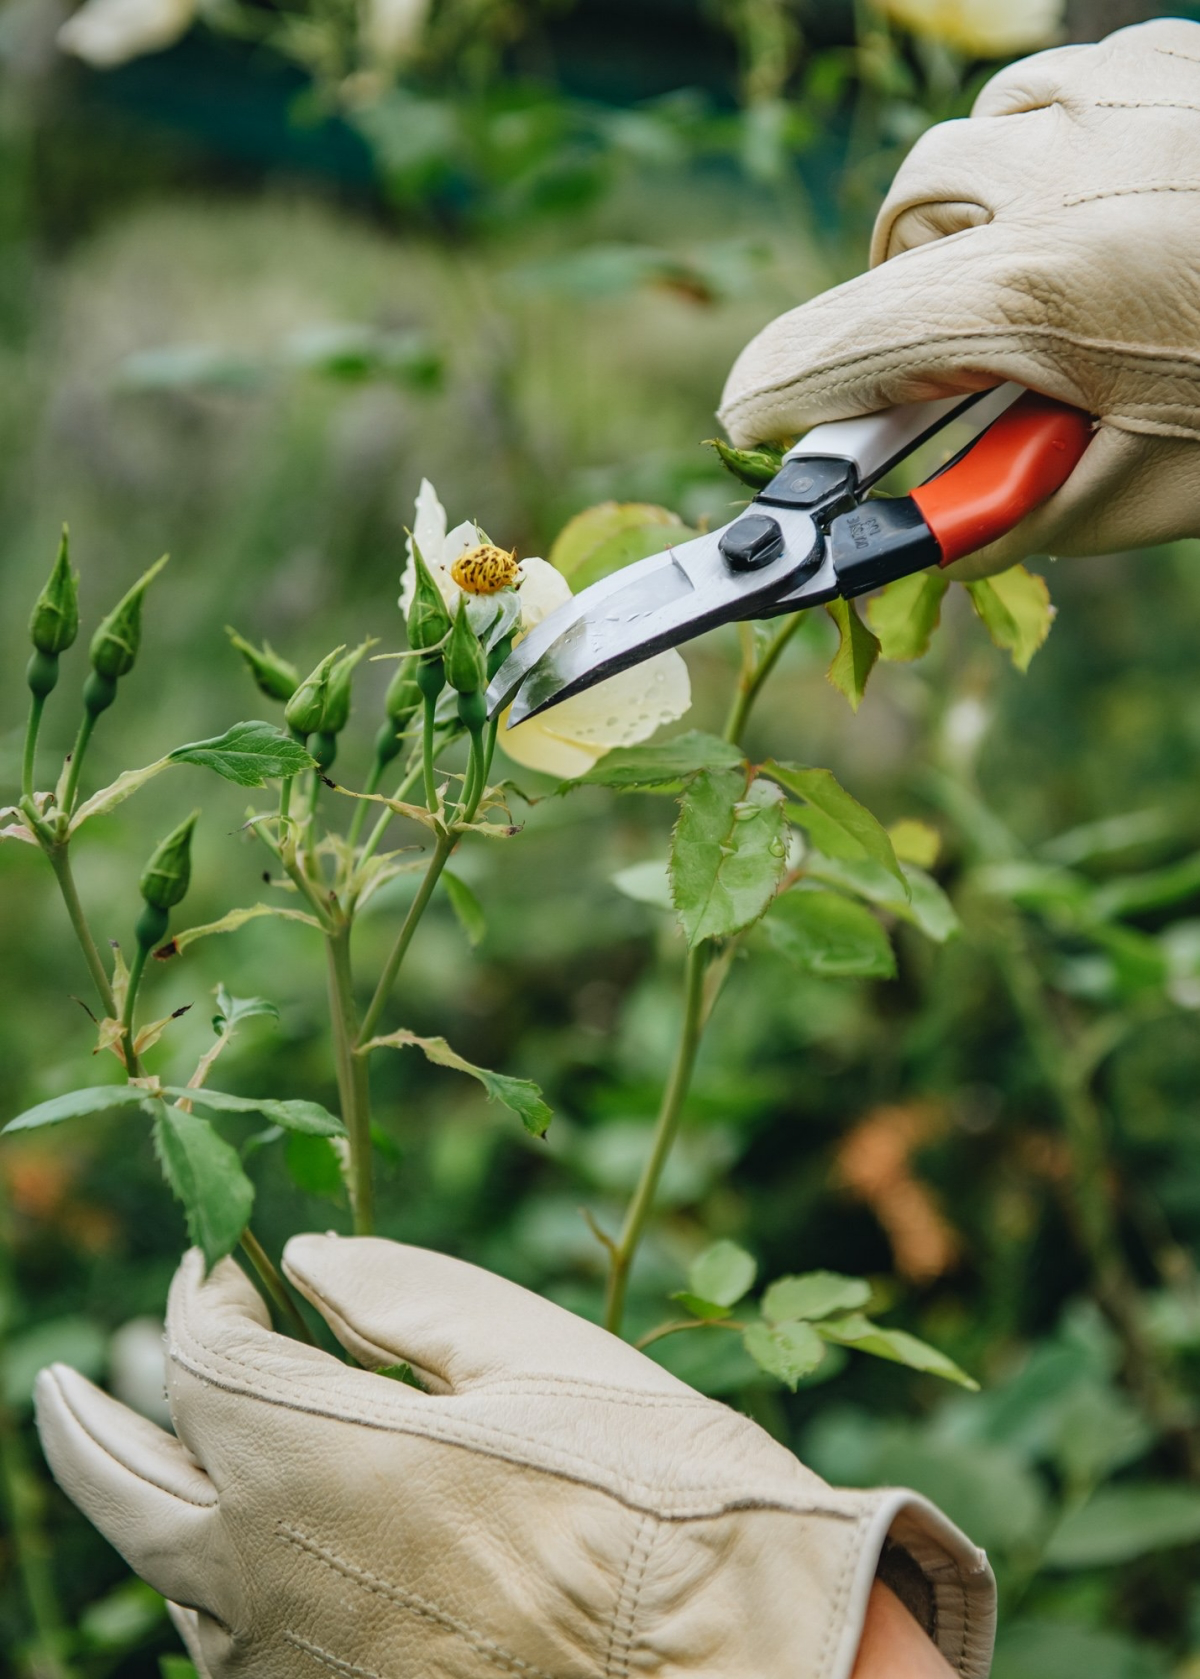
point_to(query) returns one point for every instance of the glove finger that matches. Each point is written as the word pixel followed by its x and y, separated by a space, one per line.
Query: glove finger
pixel 187 1625
pixel 954 315
pixel 455 1324
pixel 137 1484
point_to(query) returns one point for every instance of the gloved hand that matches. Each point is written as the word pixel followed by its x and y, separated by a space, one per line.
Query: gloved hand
pixel 1052 237
pixel 556 1506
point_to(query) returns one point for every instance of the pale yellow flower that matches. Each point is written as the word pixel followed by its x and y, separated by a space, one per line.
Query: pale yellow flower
pixel 393 28
pixel 109 32
pixel 571 737
pixel 982 28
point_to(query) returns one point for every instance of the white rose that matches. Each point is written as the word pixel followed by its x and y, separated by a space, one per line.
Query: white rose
pixel 109 32
pixel 568 739
pixel 982 28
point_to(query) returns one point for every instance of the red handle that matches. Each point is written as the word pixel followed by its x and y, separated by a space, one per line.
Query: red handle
pixel 1018 463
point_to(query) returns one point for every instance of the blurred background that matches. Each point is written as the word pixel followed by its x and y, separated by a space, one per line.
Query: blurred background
pixel 263 266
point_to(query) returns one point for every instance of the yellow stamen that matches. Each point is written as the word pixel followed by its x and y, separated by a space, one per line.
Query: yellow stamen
pixel 486 569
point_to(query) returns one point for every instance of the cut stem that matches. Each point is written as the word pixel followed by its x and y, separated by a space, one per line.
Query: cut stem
pixel 666 1127
pixel 353 1082
pixel 37 704
pixel 274 1286
pixel 427 754
pixel 136 969
pixel 441 856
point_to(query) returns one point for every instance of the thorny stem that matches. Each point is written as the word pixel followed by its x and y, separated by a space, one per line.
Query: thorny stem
pixel 441 856
pixel 37 704
pixel 755 672
pixel 696 1009
pixel 666 1127
pixel 353 1083
pixel 274 1285
pixel 59 859
pixel 87 724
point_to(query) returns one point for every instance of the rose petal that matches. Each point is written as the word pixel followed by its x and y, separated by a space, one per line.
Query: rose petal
pixel 543 590
pixel 538 748
pixel 108 32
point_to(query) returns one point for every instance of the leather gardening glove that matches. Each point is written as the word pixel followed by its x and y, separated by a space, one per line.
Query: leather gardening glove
pixel 1052 237
pixel 556 1506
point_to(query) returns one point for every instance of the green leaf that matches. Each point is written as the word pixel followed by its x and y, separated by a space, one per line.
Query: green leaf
pixel 926 906
pixel 108 798
pixel 904 614
pixel 829 935
pixel 229 924
pixel 727 853
pixel 1119 1523
pixel 315 1166
pixel 722 1274
pixel 176 1667
pixel 814 1295
pixel 249 753
pixel 859 1332
pixel 660 767
pixel 646 883
pixel 787 1351
pixel 857 652
pixel 76 1341
pixel 76 1104
pixel 848 829
pixel 207 1176
pixel 466 907
pixel 231 1011
pixel 1054 1649
pixel 700 1308
pixel 1016 611
pixel 124 1619
pixel 614 534
pixel 521 1095
pixel 308 1117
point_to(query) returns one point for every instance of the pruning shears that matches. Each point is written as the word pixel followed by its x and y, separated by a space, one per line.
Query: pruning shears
pixel 809 536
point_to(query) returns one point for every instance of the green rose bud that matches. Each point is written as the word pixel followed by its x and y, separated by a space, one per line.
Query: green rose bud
pixel 274 676
pixel 472 710
pixel 54 622
pixel 431 677
pixel 306 708
pixel 403 695
pixel 466 666
pixel 115 644
pixel 755 467
pixel 428 616
pixel 167 875
pixel 336 713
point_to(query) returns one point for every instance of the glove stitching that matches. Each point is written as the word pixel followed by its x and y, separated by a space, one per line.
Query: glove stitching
pixel 628 1598
pixel 699 1500
pixel 1130 192
pixel 835 1619
pixel 1173 52
pixel 1146 105
pixel 329 1660
pixel 478 1641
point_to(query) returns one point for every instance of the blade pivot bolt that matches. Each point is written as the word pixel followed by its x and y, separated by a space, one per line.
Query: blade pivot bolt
pixel 752 542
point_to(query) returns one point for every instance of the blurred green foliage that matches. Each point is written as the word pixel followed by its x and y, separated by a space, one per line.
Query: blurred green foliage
pixel 532 299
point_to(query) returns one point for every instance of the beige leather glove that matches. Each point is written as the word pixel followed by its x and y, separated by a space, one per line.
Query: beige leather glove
pixel 1053 237
pixel 556 1506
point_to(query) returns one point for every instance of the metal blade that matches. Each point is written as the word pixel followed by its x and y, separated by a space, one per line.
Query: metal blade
pixel 647 608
